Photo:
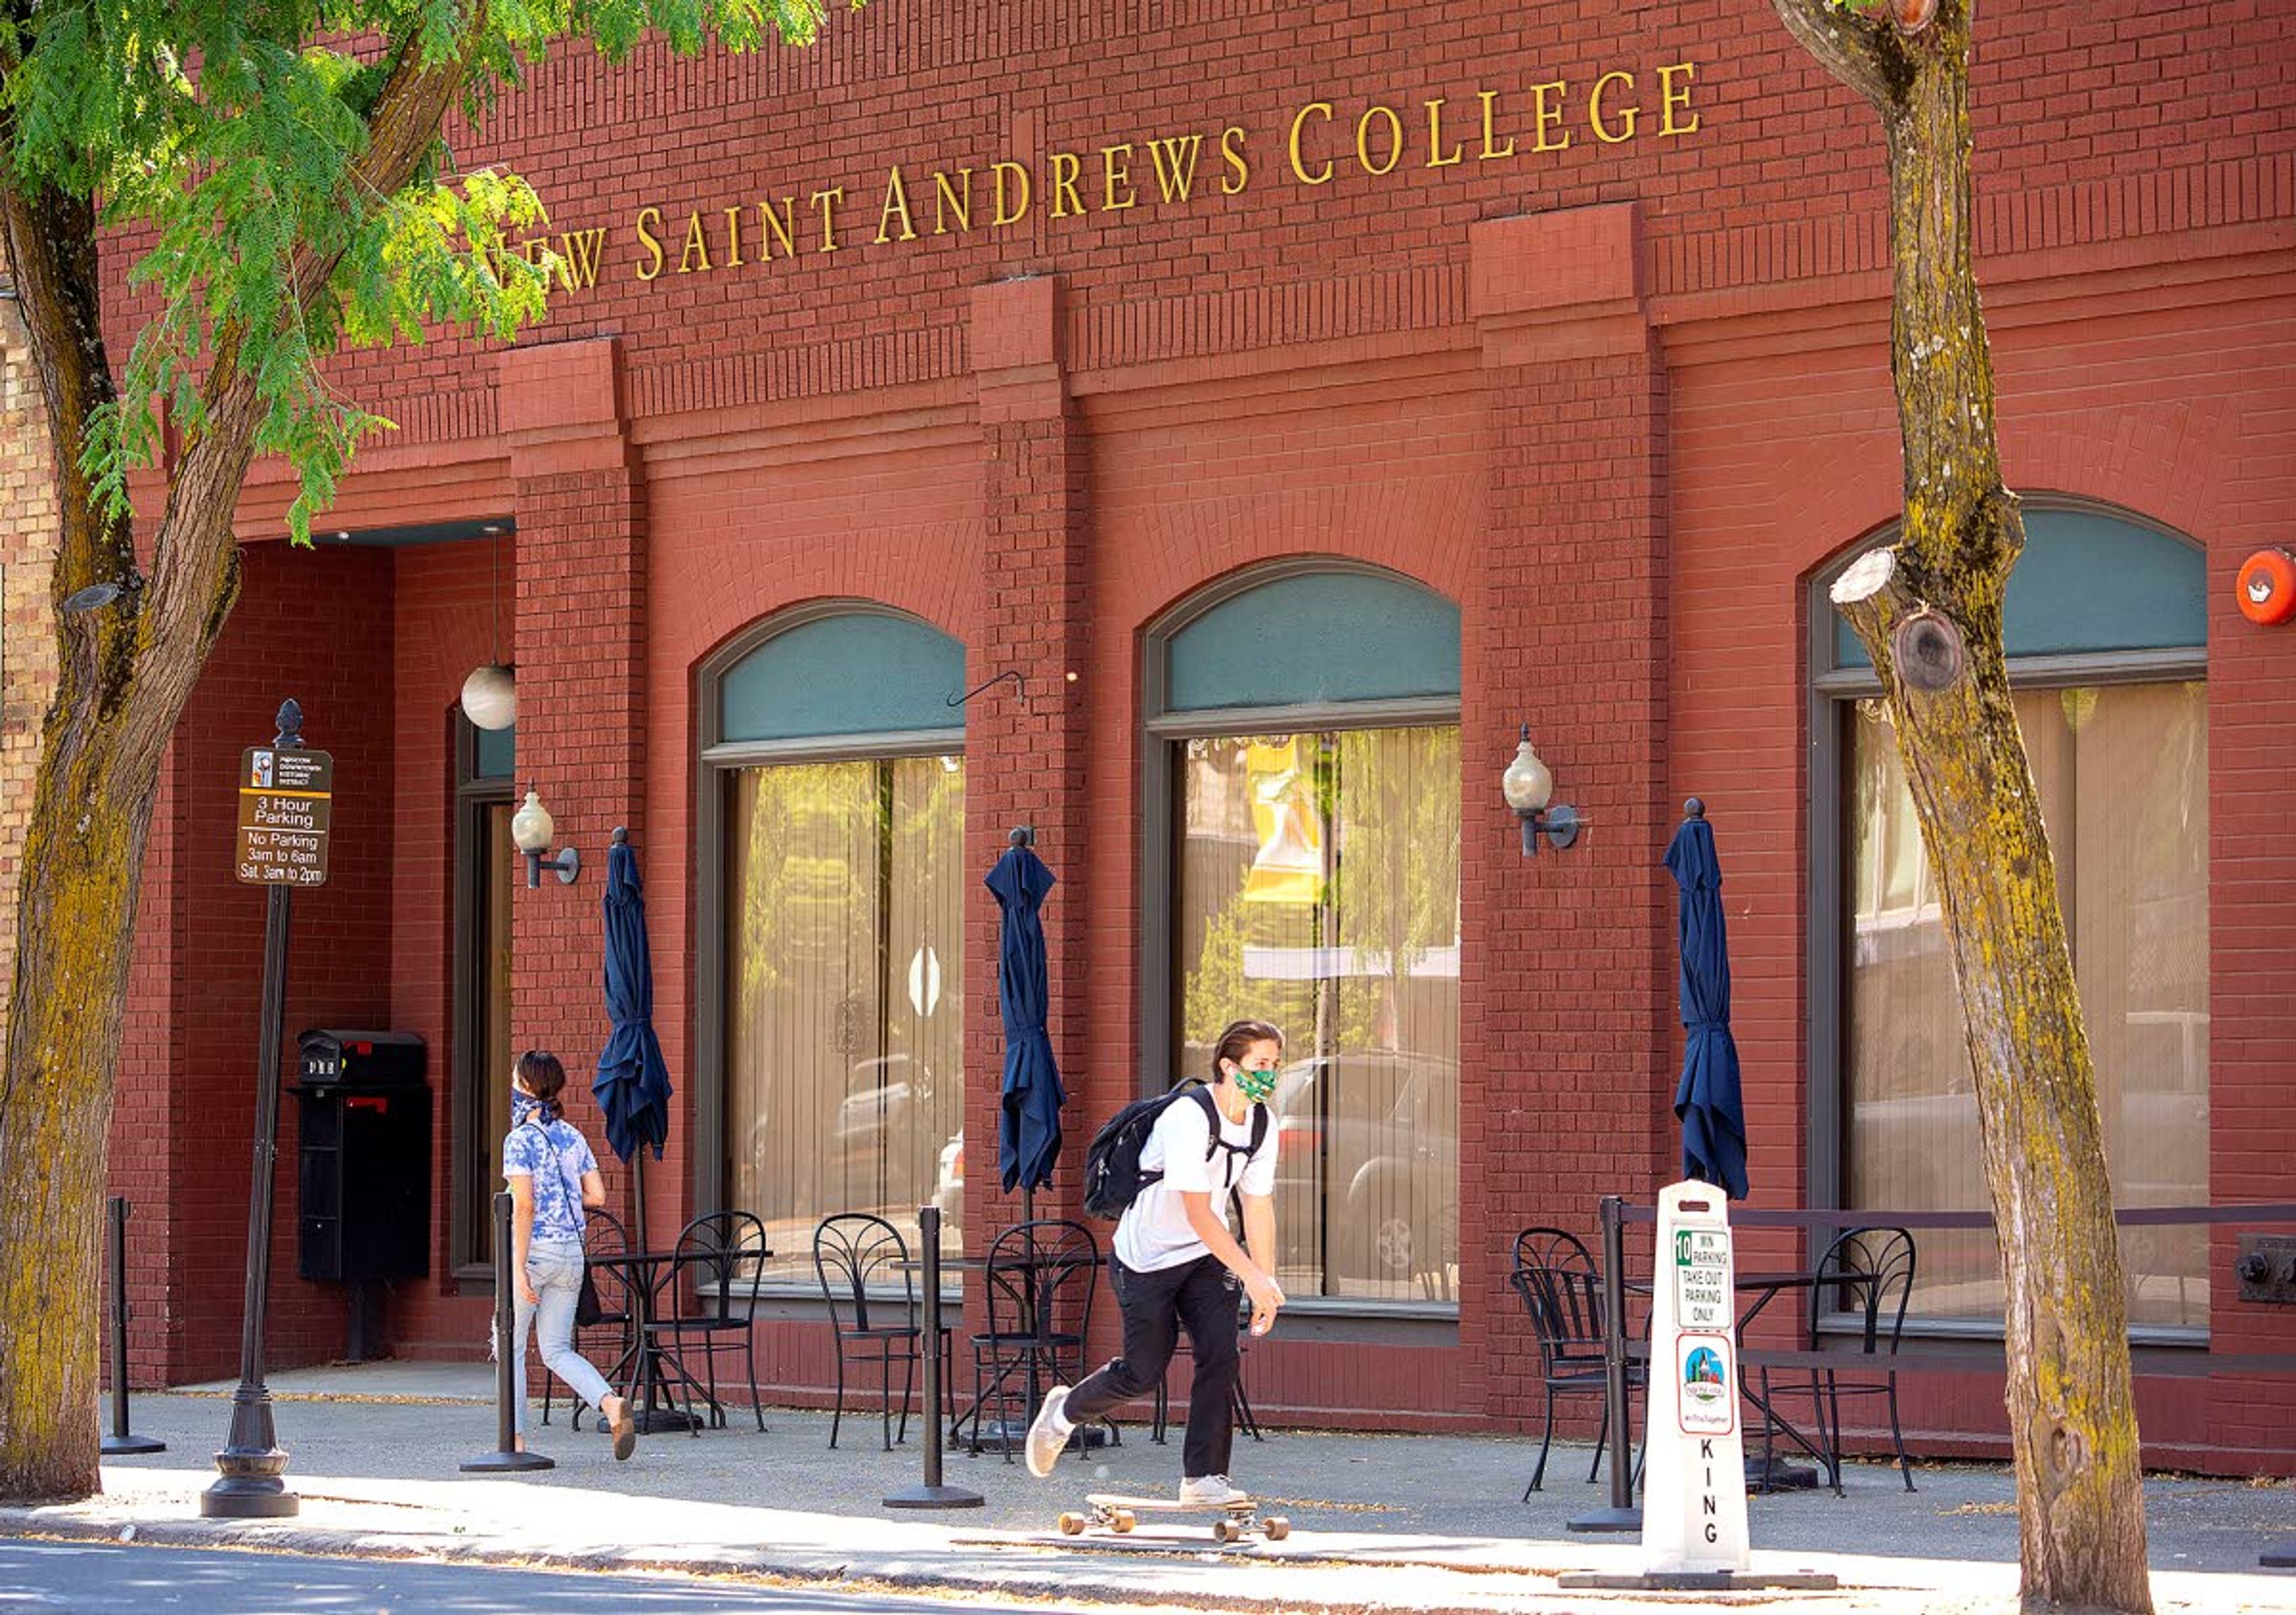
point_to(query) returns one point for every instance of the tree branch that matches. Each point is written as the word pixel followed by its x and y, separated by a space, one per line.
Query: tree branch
pixel 1854 47
pixel 195 566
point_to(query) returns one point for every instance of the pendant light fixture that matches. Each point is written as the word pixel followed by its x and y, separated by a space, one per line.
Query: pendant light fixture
pixel 490 693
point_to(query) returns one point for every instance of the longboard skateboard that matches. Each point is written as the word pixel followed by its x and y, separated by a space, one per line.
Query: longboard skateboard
pixel 1231 1521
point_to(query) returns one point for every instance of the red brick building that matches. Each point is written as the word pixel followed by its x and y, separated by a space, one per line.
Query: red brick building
pixel 1299 399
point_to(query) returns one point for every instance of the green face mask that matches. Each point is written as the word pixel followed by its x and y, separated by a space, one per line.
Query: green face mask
pixel 1257 1085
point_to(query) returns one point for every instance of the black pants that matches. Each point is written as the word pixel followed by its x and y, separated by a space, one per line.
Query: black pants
pixel 1200 1298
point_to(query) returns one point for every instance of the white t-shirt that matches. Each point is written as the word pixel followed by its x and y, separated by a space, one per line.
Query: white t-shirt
pixel 1154 1233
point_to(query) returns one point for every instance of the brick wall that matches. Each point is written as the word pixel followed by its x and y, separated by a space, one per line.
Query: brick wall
pixel 1621 402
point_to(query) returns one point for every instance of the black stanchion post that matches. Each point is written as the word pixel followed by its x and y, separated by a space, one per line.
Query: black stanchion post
pixel 116 1241
pixel 932 1494
pixel 1621 1515
pixel 506 1457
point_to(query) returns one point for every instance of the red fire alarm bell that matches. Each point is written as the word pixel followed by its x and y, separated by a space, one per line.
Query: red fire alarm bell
pixel 2267 586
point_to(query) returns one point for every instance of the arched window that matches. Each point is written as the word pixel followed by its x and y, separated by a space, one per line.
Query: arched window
pixel 1304 818
pixel 2106 627
pixel 830 1030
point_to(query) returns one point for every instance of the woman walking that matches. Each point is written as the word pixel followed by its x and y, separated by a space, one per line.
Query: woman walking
pixel 553 1179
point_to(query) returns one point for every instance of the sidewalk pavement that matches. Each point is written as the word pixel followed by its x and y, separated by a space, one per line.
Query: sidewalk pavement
pixel 1379 1522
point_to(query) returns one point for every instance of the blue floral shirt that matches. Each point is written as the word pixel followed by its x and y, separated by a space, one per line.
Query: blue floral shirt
pixel 555 1158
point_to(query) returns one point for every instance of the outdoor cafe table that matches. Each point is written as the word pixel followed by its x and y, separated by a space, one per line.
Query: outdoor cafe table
pixel 647 1273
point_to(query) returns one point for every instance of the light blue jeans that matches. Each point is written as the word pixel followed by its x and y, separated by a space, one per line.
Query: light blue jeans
pixel 555 1272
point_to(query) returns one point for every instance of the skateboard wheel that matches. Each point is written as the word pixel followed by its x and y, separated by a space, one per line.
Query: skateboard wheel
pixel 1122 1519
pixel 1277 1527
pixel 1071 1525
pixel 1226 1531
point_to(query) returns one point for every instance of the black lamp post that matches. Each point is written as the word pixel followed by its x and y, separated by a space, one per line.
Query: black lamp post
pixel 252 1484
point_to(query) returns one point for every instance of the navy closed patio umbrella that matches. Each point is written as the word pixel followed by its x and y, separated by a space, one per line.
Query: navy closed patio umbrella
pixel 1707 1102
pixel 632 1086
pixel 1029 1121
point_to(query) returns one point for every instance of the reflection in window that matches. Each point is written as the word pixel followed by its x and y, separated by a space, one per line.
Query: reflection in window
pixel 2122 772
pixel 845 1074
pixel 1318 887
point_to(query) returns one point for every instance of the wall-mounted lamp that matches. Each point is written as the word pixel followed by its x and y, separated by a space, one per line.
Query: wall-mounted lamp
pixel 531 829
pixel 1529 786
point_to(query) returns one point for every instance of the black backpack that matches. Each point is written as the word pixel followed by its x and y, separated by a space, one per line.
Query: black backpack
pixel 1113 1177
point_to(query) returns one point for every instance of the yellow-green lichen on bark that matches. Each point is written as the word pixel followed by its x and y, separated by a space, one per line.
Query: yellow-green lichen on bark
pixel 2071 1402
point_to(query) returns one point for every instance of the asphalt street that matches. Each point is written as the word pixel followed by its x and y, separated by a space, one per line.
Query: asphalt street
pixel 94 1579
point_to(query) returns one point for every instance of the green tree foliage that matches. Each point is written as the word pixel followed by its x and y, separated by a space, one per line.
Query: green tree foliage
pixel 226 140
pixel 273 178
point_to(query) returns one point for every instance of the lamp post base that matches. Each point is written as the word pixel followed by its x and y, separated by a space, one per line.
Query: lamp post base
pixel 1613 1519
pixel 935 1497
pixel 502 1464
pixel 1697 1581
pixel 250 1498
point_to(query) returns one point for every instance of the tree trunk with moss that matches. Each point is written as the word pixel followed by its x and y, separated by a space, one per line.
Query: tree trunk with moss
pixel 1929 612
pixel 126 668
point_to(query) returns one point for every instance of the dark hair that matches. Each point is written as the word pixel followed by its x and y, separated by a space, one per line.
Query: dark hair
pixel 541 1075
pixel 1236 1042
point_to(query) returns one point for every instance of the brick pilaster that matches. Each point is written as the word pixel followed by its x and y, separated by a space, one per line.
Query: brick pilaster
pixel 1567 1003
pixel 1024 746
pixel 579 640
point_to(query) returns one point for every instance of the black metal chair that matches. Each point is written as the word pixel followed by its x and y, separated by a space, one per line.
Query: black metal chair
pixel 614 1334
pixel 721 1256
pixel 1037 1285
pixel 859 1259
pixel 1561 1289
pixel 1868 1273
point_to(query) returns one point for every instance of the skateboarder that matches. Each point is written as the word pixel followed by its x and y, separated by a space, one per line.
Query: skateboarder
pixel 1177 1266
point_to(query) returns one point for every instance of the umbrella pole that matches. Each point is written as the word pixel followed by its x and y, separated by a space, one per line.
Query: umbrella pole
pixel 637 1196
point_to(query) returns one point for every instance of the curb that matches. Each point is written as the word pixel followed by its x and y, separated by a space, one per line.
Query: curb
pixel 1039 1578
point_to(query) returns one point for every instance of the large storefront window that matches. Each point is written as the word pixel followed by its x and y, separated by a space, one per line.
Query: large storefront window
pixel 845 1049
pixel 838 896
pixel 1317 885
pixel 2116 728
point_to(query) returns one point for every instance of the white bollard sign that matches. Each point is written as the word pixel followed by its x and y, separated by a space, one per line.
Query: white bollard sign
pixel 1694 1486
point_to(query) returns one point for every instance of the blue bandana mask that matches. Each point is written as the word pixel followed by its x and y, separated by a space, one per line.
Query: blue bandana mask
pixel 523 1108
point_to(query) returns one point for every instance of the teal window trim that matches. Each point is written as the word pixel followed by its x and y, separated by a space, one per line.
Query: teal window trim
pixel 1310 636
pixel 2092 582
pixel 844 671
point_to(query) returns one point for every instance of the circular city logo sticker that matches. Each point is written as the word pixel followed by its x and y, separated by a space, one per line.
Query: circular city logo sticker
pixel 1709 1402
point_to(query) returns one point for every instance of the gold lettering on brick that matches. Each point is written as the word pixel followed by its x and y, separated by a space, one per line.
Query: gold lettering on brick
pixel 1627 113
pixel 782 229
pixel 697 246
pixel 1232 155
pixel 949 199
pixel 1066 166
pixel 1018 196
pixel 1435 158
pixel 897 201
pixel 1491 99
pixel 1317 109
pixel 1175 165
pixel 1548 114
pixel 827 202
pixel 1675 98
pixel 650 242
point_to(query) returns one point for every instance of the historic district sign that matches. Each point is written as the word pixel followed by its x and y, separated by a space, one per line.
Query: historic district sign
pixel 286 799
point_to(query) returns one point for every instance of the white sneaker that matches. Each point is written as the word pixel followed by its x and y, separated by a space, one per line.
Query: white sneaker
pixel 1048 1436
pixel 1212 1490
